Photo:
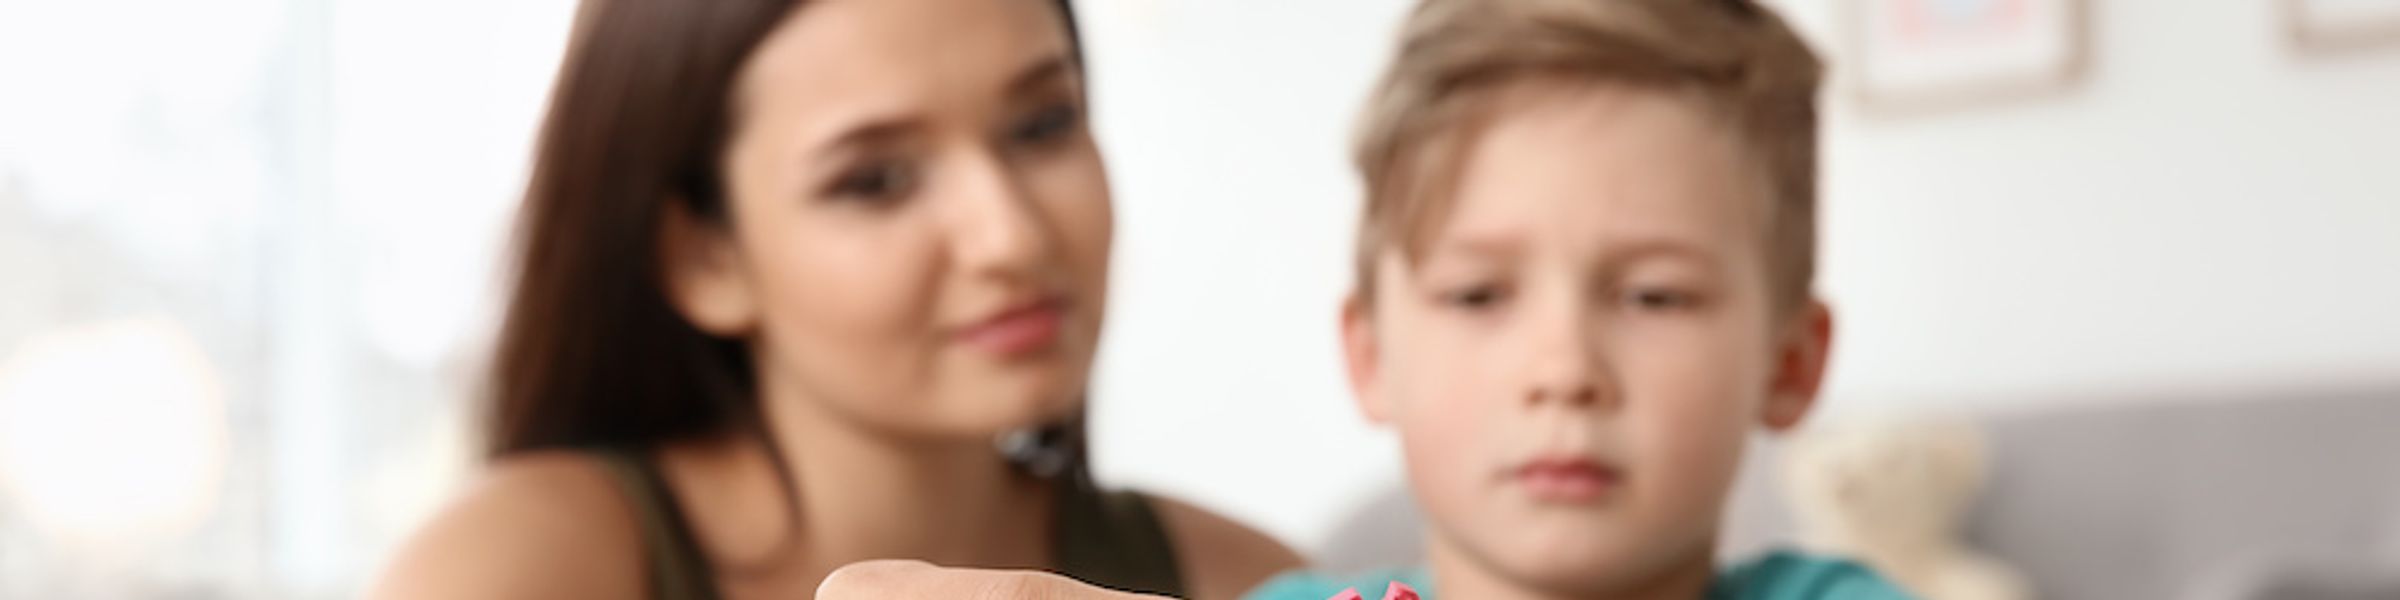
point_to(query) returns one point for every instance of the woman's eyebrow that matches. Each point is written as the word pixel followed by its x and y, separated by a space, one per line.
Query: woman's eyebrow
pixel 875 132
pixel 887 129
pixel 1039 72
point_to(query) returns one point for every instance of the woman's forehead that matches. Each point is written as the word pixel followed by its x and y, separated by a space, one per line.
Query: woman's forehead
pixel 923 48
pixel 835 72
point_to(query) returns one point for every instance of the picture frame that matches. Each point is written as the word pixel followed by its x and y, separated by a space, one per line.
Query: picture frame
pixel 1919 55
pixel 2334 26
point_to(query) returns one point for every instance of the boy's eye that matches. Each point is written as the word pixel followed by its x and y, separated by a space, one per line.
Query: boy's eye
pixel 1660 299
pixel 1045 125
pixel 1474 297
pixel 880 182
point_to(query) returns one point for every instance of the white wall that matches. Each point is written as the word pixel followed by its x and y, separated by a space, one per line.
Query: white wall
pixel 1226 126
pixel 2206 211
pixel 2210 209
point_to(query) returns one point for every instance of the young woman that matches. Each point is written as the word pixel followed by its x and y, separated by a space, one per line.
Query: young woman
pixel 789 269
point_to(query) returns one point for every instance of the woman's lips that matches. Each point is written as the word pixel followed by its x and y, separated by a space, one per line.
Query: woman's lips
pixel 1023 329
pixel 1572 480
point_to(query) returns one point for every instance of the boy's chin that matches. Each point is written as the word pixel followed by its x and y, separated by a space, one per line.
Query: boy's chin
pixel 1581 561
pixel 1556 566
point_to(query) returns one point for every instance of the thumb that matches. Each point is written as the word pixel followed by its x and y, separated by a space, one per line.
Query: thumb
pixel 919 580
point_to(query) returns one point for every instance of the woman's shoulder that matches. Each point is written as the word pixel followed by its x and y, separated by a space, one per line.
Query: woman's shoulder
pixel 1220 558
pixel 550 524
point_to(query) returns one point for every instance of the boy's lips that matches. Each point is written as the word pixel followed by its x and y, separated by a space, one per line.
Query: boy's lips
pixel 1566 479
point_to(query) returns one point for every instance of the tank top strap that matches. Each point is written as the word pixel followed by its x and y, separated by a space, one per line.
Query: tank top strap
pixel 678 570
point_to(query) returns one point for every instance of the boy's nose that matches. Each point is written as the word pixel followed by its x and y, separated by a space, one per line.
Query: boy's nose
pixel 1566 374
pixel 1581 395
pixel 1565 362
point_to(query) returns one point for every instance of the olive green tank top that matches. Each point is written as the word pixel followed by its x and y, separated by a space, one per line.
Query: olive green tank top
pixel 1110 539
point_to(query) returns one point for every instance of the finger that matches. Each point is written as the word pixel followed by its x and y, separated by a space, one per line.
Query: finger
pixel 917 580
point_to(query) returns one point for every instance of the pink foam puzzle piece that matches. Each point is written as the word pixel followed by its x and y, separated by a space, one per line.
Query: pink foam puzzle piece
pixel 1348 594
pixel 1399 591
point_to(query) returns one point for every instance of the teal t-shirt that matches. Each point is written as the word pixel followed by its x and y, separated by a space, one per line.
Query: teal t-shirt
pixel 1781 575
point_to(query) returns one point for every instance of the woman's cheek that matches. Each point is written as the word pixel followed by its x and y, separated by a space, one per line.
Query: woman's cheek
pixel 1078 196
pixel 853 308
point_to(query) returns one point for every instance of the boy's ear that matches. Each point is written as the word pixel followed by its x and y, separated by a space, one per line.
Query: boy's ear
pixel 704 274
pixel 1361 359
pixel 1801 353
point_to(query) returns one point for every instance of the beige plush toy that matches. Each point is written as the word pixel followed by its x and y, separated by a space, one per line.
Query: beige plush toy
pixel 1892 496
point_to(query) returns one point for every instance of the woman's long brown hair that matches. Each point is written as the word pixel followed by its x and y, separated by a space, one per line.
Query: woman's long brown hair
pixel 591 352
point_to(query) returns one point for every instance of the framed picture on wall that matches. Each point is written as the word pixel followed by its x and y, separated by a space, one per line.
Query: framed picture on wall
pixel 1908 55
pixel 2336 25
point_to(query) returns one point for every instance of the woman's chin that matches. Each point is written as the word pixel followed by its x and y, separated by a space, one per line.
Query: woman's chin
pixel 989 406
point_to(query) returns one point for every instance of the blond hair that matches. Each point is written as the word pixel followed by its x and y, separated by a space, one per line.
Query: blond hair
pixel 1457 57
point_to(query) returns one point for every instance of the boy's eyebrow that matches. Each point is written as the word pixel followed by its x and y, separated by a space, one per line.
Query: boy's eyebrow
pixel 1480 246
pixel 1648 247
pixel 1506 246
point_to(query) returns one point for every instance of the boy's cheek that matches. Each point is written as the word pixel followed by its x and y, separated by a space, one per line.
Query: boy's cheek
pixel 1439 397
pixel 1444 396
pixel 1700 376
pixel 1422 371
pixel 1691 435
pixel 1448 430
pixel 1444 459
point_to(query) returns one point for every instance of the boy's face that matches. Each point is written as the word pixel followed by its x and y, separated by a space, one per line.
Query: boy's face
pixel 1576 357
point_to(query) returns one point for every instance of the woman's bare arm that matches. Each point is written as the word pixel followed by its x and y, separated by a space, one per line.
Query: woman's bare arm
pixel 540 526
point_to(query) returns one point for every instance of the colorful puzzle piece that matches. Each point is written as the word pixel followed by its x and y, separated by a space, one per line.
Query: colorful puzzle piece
pixel 1398 591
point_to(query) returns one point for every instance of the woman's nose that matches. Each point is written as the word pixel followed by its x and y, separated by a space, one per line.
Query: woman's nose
pixel 999 226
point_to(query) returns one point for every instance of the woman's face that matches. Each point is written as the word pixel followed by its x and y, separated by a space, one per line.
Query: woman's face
pixel 919 220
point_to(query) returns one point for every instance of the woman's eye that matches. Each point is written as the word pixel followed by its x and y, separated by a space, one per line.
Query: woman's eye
pixel 1045 125
pixel 1475 297
pixel 880 182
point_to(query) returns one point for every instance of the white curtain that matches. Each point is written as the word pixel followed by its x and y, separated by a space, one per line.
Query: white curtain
pixel 248 262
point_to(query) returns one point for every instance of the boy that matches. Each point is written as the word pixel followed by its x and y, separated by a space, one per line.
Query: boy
pixel 1583 274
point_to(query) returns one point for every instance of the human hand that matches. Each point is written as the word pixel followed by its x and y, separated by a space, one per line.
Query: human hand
pixel 918 580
